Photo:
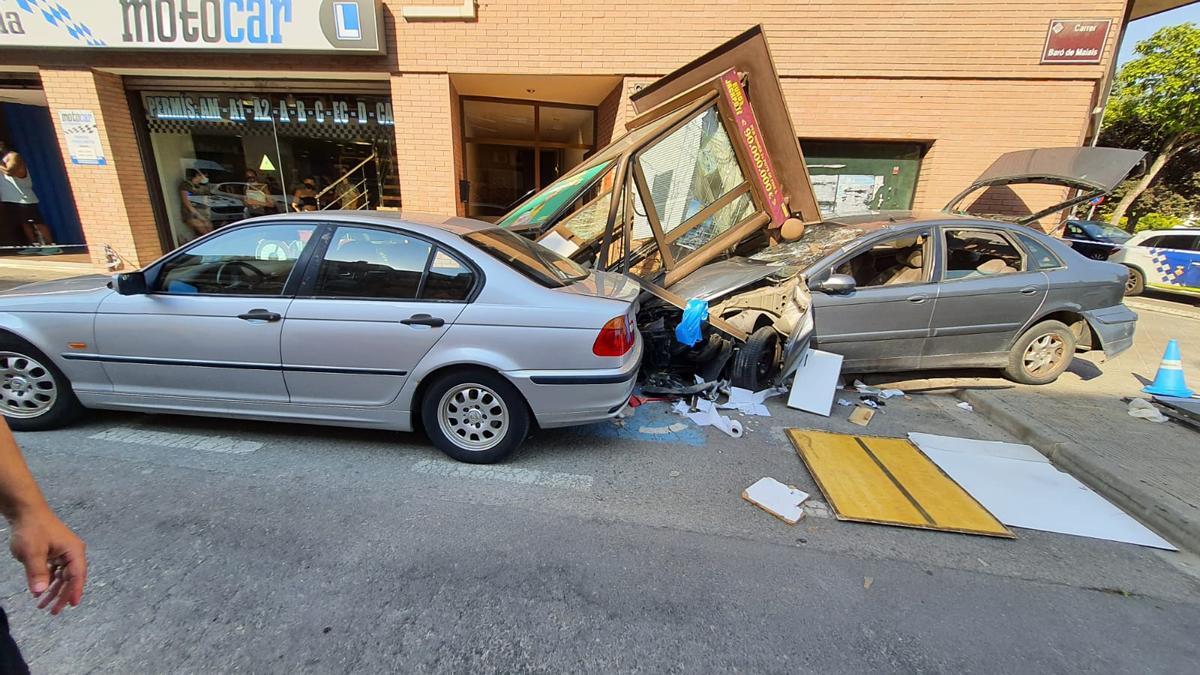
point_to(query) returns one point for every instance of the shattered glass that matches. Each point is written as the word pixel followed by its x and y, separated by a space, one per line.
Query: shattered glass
pixel 818 241
pixel 691 168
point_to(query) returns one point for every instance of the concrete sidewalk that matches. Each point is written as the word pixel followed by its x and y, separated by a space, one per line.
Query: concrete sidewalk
pixel 1080 422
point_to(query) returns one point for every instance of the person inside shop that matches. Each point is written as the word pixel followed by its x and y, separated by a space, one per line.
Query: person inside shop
pixel 191 196
pixel 258 196
pixel 305 197
pixel 22 222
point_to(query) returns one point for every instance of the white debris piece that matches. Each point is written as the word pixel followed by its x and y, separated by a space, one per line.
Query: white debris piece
pixel 862 388
pixel 966 406
pixel 815 382
pixel 1145 410
pixel 750 402
pixel 706 415
pixel 1023 489
pixel 777 499
pixel 844 403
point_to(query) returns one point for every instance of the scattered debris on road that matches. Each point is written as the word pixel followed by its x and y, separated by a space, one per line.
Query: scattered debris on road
pixel 1023 489
pixel 1145 410
pixel 816 382
pixel 888 481
pixel 861 415
pixel 782 501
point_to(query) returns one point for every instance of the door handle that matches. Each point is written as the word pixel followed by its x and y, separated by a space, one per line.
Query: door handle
pixel 261 315
pixel 424 320
pixel 917 299
pixel 1029 290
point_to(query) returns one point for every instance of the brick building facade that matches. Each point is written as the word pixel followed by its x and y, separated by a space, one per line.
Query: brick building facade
pixel 934 89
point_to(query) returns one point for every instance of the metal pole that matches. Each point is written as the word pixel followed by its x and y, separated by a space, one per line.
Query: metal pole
pixel 287 202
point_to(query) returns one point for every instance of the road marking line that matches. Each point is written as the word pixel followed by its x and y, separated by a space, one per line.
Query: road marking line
pixel 223 444
pixel 552 479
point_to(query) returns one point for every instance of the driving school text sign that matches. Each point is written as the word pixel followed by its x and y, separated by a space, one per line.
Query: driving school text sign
pixel 1075 41
pixel 750 137
pixel 229 25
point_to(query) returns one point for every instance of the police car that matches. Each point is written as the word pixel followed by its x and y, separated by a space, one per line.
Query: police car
pixel 1165 260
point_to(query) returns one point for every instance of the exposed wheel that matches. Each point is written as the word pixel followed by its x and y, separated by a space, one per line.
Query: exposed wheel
pixel 474 416
pixel 1041 354
pixel 757 361
pixel 1136 283
pixel 34 394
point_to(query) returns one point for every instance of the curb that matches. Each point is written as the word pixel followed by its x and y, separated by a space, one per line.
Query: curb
pixel 1173 524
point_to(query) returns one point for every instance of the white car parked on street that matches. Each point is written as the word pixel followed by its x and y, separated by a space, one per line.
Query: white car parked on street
pixel 1165 260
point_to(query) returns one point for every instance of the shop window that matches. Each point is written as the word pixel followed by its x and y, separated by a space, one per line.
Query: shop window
pixel 860 177
pixel 512 149
pixel 222 157
pixel 245 261
pixel 366 263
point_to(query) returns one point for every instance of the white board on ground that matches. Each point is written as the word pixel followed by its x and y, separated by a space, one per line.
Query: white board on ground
pixel 1023 489
pixel 777 499
pixel 815 382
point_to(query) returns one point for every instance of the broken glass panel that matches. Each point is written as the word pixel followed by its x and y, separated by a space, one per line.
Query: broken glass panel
pixel 690 168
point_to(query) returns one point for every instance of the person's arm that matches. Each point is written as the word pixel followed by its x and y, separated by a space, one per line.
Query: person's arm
pixel 53 556
pixel 7 163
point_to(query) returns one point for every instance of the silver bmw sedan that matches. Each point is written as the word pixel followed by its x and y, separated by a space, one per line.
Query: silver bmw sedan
pixel 366 319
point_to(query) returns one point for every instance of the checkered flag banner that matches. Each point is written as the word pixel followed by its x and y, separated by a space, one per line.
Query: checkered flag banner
pixel 58 16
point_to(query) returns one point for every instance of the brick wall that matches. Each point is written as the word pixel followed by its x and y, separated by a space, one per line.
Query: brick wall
pixel 900 38
pixel 112 200
pixel 425 142
pixel 610 116
pixel 965 123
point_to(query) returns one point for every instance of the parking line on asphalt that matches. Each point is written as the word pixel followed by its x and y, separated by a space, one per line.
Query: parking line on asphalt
pixel 222 444
pixel 551 479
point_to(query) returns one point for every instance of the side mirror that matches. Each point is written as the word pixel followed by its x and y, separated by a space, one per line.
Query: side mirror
pixel 130 283
pixel 837 284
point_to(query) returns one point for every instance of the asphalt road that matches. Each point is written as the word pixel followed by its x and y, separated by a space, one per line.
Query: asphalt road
pixel 222 546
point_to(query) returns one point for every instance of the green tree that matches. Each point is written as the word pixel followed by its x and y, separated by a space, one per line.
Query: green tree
pixel 1156 103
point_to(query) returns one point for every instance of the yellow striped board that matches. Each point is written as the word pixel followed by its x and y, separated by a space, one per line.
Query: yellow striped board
pixel 889 481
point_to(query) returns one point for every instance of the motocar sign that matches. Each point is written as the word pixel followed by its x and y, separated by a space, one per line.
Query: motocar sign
pixel 229 25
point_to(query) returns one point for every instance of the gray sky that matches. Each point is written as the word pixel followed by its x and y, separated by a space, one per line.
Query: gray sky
pixel 1143 28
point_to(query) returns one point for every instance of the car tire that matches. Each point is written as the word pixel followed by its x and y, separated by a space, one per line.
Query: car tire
pixel 34 393
pixel 474 416
pixel 1041 354
pixel 1136 283
pixel 757 361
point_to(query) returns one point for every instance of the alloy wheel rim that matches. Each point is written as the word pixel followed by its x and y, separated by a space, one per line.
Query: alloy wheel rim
pixel 27 389
pixel 1044 354
pixel 473 417
pixel 1130 284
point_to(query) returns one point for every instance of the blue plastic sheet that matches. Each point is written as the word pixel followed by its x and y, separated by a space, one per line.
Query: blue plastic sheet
pixel 694 316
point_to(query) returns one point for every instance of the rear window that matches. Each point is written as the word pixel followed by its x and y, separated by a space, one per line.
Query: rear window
pixel 527 257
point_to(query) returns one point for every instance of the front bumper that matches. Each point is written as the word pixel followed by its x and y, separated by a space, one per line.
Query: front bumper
pixel 1114 326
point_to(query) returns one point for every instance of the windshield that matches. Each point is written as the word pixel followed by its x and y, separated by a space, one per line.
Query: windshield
pixel 1104 231
pixel 534 213
pixel 527 257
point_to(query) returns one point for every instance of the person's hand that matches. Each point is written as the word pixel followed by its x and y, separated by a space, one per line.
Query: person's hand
pixel 53 556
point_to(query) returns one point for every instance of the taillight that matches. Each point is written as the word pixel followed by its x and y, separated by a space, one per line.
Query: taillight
pixel 615 338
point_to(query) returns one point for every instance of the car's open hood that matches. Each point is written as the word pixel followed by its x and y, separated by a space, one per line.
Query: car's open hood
pixel 1090 172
